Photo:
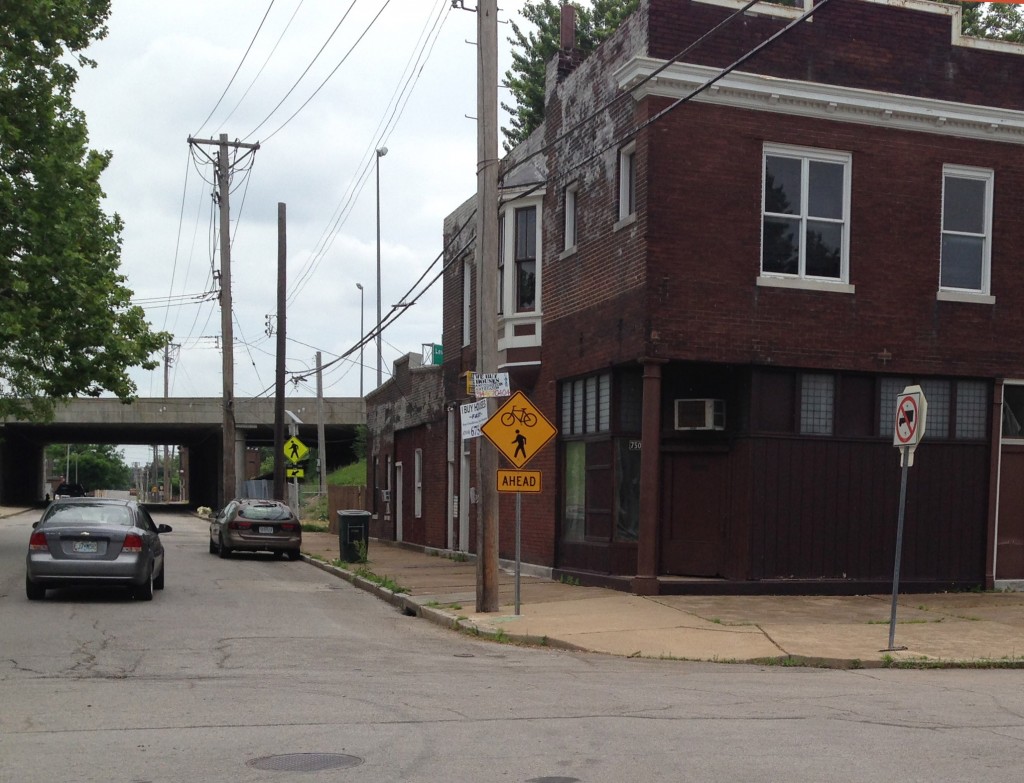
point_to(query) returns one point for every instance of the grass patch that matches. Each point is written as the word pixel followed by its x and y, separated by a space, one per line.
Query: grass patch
pixel 313 527
pixel 383 581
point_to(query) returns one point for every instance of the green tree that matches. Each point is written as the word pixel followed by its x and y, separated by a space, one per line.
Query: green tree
pixel 93 466
pixel 532 50
pixel 1003 21
pixel 67 326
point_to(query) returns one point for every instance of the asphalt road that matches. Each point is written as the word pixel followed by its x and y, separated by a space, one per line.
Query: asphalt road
pixel 254 669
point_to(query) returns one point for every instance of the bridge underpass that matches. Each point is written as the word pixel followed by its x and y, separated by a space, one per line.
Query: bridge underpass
pixel 192 423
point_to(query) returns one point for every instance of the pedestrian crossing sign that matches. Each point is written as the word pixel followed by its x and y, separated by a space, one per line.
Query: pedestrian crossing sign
pixel 518 430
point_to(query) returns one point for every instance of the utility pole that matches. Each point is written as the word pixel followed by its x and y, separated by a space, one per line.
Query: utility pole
pixel 486 307
pixel 169 349
pixel 321 454
pixel 282 276
pixel 229 481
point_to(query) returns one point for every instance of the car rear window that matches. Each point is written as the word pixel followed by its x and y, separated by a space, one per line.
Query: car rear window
pixel 88 514
pixel 269 511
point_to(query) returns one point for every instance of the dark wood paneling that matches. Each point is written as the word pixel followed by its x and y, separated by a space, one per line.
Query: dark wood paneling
pixel 828 509
pixel 1010 532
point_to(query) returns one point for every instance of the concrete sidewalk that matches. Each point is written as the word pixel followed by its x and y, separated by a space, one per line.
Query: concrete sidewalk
pixel 945 629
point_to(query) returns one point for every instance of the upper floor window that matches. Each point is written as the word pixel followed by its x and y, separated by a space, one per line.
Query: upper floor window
pixel 966 229
pixel 526 258
pixel 806 213
pixel 586 405
pixel 570 216
pixel 627 181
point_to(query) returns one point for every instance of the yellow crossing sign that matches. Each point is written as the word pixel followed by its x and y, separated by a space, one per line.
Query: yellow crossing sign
pixel 519 480
pixel 295 450
pixel 295 473
pixel 518 430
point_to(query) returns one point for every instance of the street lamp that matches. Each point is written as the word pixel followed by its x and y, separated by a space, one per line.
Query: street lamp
pixel 361 333
pixel 381 152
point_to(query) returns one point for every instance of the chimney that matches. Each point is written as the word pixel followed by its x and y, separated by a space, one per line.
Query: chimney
pixel 567 36
pixel 568 55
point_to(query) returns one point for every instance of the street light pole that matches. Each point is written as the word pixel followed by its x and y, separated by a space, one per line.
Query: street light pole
pixel 381 152
pixel 361 333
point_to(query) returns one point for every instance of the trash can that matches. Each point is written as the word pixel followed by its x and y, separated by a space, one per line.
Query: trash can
pixel 353 534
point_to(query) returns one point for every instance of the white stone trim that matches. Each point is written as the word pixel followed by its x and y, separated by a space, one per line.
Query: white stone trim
pixel 824 101
pixel 956 38
pixel 966 297
pixel 807 284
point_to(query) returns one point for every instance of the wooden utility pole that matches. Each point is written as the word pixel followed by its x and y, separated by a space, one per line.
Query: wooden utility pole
pixel 229 480
pixel 321 453
pixel 282 278
pixel 486 308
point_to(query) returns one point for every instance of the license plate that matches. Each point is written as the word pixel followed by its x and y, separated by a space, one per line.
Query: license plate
pixel 266 531
pixel 85 547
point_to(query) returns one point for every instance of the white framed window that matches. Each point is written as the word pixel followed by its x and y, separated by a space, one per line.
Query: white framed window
pixel 627 181
pixel 570 217
pixel 525 256
pixel 520 262
pixel 805 214
pixel 965 263
pixel 418 483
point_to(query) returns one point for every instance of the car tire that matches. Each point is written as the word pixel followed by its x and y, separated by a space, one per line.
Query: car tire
pixel 33 591
pixel 158 581
pixel 293 554
pixel 223 550
pixel 144 592
pixel 213 547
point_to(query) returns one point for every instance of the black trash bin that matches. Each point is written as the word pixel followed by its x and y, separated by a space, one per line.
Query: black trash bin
pixel 353 534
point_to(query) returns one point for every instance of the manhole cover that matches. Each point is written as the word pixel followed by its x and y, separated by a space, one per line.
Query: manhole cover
pixel 306 762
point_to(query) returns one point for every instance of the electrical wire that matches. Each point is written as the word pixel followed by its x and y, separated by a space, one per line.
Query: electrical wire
pixel 232 79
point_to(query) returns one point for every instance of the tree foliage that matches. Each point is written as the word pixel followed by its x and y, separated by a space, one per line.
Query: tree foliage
pixel 532 50
pixel 67 326
pixel 93 466
pixel 1003 21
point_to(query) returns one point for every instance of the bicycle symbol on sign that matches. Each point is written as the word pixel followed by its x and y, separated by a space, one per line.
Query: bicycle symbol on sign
pixel 522 415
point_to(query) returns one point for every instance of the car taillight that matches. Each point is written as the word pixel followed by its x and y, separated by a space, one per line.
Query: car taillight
pixel 37 542
pixel 290 526
pixel 236 525
pixel 132 543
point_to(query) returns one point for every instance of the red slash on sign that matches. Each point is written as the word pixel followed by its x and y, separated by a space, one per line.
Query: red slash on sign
pixel 906 420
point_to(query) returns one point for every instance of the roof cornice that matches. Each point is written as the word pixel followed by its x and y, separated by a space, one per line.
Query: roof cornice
pixel 823 101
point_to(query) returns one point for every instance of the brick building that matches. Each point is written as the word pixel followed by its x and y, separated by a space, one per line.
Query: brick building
pixel 716 295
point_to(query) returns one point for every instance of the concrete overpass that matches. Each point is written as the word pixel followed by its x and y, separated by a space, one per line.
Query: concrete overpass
pixel 193 423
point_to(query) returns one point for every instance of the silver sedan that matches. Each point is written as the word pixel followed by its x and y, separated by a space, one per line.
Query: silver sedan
pixel 95 541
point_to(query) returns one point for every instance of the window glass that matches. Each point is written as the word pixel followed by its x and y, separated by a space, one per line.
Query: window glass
pixel 604 402
pixel 1013 411
pixel 570 217
pixel 963 205
pixel 782 178
pixel 817 400
pixel 591 387
pixel 627 483
pixel 526 258
pixel 962 261
pixel 566 408
pixel 889 391
pixel 631 402
pixel 824 249
pixel 825 194
pixel 937 393
pixel 971 410
pixel 575 490
pixel 577 407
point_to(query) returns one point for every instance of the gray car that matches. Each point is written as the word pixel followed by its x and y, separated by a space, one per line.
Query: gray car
pixel 82 542
pixel 250 525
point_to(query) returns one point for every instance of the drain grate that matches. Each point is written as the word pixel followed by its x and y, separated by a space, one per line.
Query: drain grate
pixel 305 762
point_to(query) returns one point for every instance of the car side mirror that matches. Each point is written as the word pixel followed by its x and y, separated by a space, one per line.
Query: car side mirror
pixel 163 528
pixel 36 524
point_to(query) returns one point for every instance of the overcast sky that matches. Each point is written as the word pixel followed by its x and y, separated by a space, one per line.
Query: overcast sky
pixel 399 74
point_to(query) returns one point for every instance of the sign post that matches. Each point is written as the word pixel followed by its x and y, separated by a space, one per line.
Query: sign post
pixel 518 430
pixel 911 412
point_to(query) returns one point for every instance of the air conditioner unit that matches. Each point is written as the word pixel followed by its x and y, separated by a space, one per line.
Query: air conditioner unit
pixel 700 414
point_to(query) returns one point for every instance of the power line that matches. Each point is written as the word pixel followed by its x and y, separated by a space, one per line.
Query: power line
pixel 232 79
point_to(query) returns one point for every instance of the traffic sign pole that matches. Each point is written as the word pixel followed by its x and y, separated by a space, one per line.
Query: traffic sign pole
pixel 896 567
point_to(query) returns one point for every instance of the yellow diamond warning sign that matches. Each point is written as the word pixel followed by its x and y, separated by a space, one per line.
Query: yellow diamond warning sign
pixel 518 430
